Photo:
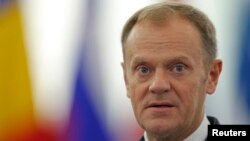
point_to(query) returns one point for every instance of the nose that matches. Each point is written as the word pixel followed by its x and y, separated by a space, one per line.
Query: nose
pixel 160 83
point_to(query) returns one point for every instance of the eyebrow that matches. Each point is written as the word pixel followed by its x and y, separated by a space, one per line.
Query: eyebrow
pixel 138 60
pixel 170 60
pixel 178 59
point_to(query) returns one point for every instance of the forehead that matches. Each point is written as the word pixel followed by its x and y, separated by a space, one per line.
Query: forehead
pixel 174 27
pixel 174 36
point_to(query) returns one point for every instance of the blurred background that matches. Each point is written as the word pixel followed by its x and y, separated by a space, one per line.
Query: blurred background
pixel 60 73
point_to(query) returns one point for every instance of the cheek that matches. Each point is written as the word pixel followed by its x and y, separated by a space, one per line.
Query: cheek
pixel 137 94
pixel 191 95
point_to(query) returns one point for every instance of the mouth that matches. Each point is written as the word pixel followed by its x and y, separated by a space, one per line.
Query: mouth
pixel 160 105
pixel 161 108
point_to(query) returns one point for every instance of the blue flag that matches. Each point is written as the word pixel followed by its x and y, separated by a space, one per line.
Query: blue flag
pixel 85 122
pixel 244 69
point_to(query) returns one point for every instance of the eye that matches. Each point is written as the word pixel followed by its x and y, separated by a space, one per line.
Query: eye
pixel 143 70
pixel 178 68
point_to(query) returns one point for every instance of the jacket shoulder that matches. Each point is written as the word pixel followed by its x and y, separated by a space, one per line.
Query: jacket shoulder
pixel 142 138
pixel 213 120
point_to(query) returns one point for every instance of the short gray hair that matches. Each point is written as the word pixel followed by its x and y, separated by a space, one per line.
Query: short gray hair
pixel 161 12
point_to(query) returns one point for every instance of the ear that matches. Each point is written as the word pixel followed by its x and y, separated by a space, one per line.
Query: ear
pixel 213 76
pixel 125 78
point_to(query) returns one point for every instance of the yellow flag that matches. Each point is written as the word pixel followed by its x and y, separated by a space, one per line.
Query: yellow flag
pixel 16 108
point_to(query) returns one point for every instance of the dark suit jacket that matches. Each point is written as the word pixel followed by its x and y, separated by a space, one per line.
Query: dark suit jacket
pixel 212 120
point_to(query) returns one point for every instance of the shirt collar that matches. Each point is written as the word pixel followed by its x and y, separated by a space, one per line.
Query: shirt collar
pixel 200 134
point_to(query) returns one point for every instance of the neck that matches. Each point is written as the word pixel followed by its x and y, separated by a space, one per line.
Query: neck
pixel 177 135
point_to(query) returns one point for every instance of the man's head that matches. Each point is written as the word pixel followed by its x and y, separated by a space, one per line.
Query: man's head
pixel 169 67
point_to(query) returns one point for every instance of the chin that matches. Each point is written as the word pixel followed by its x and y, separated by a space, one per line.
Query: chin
pixel 158 127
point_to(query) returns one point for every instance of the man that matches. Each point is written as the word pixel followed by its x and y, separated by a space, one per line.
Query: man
pixel 169 67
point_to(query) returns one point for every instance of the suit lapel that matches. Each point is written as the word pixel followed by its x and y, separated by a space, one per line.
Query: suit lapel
pixel 142 138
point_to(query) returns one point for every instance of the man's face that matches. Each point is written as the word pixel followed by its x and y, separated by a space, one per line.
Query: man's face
pixel 165 76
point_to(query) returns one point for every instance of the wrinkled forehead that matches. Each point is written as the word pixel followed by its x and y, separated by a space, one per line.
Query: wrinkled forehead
pixel 174 30
pixel 179 34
